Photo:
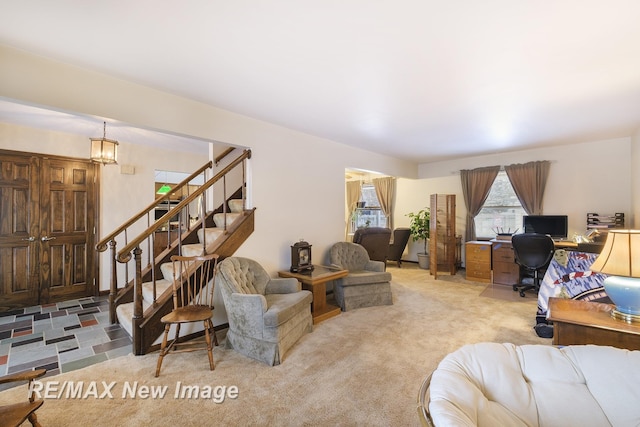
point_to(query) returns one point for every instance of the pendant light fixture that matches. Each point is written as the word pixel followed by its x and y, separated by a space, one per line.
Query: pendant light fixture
pixel 104 150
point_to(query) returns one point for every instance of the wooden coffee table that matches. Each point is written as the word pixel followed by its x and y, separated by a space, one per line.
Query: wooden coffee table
pixel 584 322
pixel 316 282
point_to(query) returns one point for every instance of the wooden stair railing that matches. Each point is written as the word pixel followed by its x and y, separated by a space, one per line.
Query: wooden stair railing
pixel 120 260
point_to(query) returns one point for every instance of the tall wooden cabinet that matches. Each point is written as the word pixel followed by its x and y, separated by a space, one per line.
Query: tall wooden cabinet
pixel 442 234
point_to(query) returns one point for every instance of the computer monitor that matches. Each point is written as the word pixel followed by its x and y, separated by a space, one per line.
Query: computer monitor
pixel 556 226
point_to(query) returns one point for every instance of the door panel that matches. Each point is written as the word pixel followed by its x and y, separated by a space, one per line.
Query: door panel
pixel 18 231
pixel 47 229
pixel 67 228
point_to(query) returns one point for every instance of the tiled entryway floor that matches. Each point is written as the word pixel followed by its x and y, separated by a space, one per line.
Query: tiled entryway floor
pixel 60 337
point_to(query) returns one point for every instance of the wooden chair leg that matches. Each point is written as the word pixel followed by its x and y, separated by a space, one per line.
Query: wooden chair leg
pixel 163 348
pixel 208 326
pixel 33 419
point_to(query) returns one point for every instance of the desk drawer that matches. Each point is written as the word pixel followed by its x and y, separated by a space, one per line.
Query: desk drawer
pixel 480 272
pixel 503 253
pixel 506 273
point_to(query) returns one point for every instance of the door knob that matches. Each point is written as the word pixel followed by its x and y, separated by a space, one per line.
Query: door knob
pixel 47 238
pixel 30 239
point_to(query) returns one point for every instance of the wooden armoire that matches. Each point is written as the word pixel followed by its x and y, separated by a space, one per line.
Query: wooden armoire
pixel 442 234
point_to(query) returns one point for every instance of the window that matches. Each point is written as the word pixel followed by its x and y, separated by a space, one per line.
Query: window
pixel 370 215
pixel 502 211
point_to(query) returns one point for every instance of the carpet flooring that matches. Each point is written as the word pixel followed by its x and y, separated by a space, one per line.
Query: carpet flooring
pixel 363 367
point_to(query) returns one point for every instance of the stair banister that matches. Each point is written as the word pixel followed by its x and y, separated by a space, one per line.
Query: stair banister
pixel 124 255
pixel 110 239
pixel 132 291
pixel 101 246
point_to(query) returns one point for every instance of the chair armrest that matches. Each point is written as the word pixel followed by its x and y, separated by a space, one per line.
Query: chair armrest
pixel 374 266
pixel 23 376
pixel 283 285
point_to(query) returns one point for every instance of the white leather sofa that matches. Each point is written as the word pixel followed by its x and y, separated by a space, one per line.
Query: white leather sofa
pixel 491 384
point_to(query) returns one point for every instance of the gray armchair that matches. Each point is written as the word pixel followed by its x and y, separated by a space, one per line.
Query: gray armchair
pixel 266 316
pixel 367 284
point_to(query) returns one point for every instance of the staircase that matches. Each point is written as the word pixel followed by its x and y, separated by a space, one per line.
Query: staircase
pixel 146 273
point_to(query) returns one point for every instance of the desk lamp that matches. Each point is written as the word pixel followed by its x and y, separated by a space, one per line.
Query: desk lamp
pixel 620 260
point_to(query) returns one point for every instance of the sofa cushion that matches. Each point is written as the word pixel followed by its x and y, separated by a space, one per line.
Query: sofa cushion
pixel 282 307
pixel 535 385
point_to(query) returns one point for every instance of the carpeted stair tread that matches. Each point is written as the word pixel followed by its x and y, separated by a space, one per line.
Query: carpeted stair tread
pixel 161 286
pixel 218 219
pixel 209 234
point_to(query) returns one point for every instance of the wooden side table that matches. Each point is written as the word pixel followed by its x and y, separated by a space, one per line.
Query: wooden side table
pixel 584 322
pixel 316 282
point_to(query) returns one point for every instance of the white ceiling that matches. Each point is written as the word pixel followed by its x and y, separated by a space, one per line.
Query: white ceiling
pixel 418 79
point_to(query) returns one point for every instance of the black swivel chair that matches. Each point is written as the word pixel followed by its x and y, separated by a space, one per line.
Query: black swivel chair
pixel 400 239
pixel 533 254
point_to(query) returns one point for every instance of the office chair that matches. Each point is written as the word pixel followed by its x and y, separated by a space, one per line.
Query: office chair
pixel 533 254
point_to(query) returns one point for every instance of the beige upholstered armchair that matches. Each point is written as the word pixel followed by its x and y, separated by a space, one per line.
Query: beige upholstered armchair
pixel 266 316
pixel 367 283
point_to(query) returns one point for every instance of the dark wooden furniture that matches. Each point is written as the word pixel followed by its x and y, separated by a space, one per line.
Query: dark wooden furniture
pixel 316 282
pixel 17 413
pixel 584 322
pixel 505 269
pixel 478 261
pixel 162 240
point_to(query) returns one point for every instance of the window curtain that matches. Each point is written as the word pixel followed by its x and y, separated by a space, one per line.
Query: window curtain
pixel 385 190
pixel 476 184
pixel 353 190
pixel 529 181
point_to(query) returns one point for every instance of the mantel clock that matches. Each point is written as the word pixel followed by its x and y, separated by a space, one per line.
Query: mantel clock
pixel 301 257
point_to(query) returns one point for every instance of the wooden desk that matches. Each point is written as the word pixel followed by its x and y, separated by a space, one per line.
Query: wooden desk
pixel 583 322
pixel 565 244
pixel 316 282
pixel 503 259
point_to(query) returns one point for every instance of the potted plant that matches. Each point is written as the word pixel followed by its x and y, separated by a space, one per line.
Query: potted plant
pixel 419 227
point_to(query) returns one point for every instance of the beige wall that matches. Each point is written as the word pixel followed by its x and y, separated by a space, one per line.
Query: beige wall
pixel 588 177
pixel 635 179
pixel 122 195
pixel 298 179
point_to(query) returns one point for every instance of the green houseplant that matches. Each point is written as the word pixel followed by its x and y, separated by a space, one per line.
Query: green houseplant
pixel 419 228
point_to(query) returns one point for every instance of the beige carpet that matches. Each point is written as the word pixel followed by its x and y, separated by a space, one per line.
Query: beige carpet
pixel 362 367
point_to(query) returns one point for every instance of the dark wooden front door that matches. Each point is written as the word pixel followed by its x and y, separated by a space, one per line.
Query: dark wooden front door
pixel 47 229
